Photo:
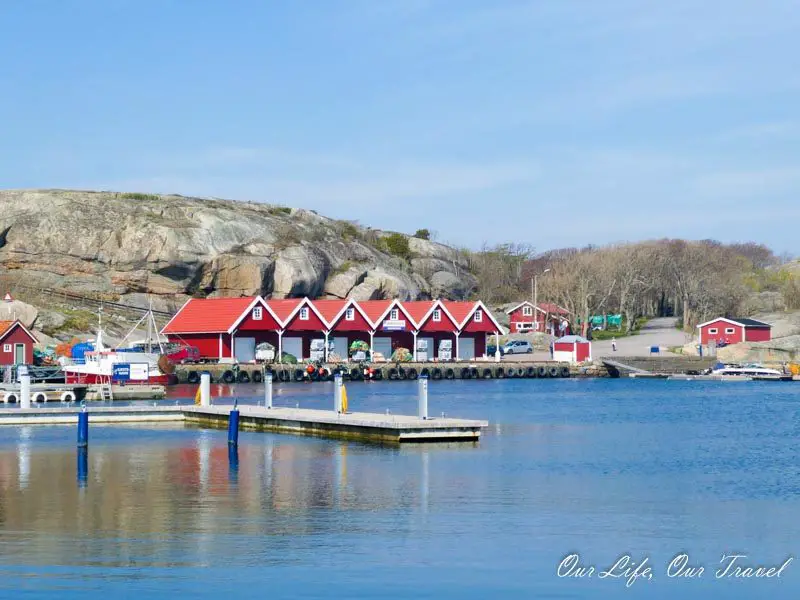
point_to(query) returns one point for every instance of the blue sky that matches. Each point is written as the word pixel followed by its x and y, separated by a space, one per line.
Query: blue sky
pixel 553 123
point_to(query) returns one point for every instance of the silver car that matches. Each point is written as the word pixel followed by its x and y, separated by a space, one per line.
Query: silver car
pixel 518 347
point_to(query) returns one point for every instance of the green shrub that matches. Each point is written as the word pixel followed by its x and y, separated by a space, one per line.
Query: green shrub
pixel 423 234
pixel 397 245
pixel 349 231
pixel 139 196
pixel 280 210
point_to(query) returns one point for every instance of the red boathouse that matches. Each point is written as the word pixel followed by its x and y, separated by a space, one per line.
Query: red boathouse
pixel 732 331
pixel 16 344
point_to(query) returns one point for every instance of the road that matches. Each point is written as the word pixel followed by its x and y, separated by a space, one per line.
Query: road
pixel 656 332
pixel 659 332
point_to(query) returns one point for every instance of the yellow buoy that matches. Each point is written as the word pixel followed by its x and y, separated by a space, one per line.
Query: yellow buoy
pixel 344 399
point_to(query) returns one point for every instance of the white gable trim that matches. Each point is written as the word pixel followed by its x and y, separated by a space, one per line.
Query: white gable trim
pixel 305 302
pixel 256 301
pixel 440 305
pixel 726 320
pixel 16 323
pixel 351 302
pixel 395 304
pixel 486 313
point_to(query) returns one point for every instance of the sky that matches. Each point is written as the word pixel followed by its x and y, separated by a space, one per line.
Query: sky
pixel 546 122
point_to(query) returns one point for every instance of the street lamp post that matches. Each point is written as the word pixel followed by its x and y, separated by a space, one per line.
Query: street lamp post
pixel 535 285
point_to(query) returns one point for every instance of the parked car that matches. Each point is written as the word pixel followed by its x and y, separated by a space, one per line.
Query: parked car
pixel 518 347
pixel 183 354
pixel 491 349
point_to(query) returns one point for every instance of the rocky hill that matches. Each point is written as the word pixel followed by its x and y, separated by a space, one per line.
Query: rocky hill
pixel 124 246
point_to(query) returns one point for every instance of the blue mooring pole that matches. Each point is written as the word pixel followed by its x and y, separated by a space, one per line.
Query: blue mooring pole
pixel 83 428
pixel 233 428
pixel 83 466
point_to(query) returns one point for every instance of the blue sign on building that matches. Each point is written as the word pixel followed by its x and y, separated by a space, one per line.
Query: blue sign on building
pixel 121 372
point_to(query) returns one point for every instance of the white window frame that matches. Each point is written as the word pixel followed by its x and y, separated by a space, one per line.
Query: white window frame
pixel 527 311
pixel 478 315
pixel 304 313
pixel 730 330
pixel 394 315
pixel 258 313
pixel 713 331
pixel 437 316
pixel 7 348
pixel 350 314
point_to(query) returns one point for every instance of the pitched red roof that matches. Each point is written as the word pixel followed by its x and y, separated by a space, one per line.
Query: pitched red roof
pixel 284 308
pixel 418 309
pixel 459 310
pixel 374 309
pixel 7 327
pixel 208 315
pixel 329 308
pixel 552 308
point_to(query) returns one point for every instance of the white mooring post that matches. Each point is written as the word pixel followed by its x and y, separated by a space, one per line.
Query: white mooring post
pixel 337 393
pixel 205 389
pixel 268 390
pixel 25 391
pixel 423 397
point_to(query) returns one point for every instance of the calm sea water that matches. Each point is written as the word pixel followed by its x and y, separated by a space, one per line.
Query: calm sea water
pixel 599 468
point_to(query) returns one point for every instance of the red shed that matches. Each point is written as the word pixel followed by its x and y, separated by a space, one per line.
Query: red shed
pixel 474 328
pixel 347 323
pixel 434 325
pixel 301 323
pixel 392 328
pixel 732 331
pixel 572 349
pixel 17 344
pixel 208 324
pixel 257 324
pixel 544 317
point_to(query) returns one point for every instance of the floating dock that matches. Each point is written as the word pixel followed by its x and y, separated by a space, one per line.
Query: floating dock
pixel 367 427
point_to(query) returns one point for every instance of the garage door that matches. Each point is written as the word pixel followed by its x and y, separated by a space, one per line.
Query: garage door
pixel 466 348
pixel 340 346
pixel 244 349
pixel 293 346
pixel 383 345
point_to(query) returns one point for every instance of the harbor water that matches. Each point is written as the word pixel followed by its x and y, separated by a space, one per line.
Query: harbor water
pixel 597 468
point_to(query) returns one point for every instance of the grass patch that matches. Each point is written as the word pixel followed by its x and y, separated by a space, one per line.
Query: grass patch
pixel 280 210
pixel 342 268
pixel 77 320
pixel 139 196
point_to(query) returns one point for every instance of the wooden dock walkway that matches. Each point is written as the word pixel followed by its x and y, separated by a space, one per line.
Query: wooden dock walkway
pixel 368 427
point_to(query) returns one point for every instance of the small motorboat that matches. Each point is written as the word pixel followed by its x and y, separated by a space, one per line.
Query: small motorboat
pixel 752 371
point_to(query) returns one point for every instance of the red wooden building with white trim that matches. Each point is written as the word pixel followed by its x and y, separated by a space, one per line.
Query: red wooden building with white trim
pixel 545 317
pixel 732 331
pixel 16 343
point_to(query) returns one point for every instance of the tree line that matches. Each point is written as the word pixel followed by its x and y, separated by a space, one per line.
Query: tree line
pixel 693 280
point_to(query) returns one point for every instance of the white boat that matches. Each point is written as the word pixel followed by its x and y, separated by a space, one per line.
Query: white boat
pixel 143 365
pixel 750 371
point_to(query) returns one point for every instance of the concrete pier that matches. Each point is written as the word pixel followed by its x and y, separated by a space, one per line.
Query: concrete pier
pixel 366 427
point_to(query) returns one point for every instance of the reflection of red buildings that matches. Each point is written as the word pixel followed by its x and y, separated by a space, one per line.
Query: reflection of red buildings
pixel 231 328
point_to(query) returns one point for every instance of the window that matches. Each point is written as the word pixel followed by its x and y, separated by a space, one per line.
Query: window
pixel 730 330
pixel 350 314
pixel 258 313
pixel 527 311
pixel 6 347
pixel 478 315
pixel 437 315
pixel 304 313
pixel 394 315
pixel 713 331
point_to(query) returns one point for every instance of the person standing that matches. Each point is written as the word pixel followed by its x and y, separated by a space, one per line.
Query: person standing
pixel 613 344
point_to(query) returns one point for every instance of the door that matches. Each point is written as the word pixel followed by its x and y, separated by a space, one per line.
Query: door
pixel 383 345
pixel 340 347
pixel 245 349
pixel 293 346
pixel 19 354
pixel 466 348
